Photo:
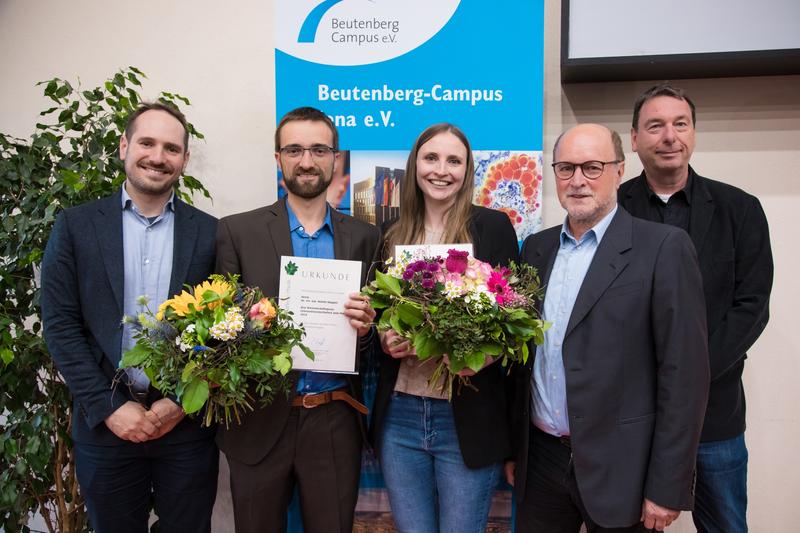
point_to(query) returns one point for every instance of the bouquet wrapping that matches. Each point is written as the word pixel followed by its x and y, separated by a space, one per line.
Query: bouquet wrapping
pixel 460 311
pixel 218 345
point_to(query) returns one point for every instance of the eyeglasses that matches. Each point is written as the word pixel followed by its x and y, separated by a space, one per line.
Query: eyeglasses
pixel 591 169
pixel 318 151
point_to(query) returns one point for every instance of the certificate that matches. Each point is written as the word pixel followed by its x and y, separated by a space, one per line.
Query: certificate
pixel 315 291
pixel 421 251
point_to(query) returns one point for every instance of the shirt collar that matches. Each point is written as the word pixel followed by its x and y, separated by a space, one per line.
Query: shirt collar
pixel 294 222
pixel 686 191
pixel 597 231
pixel 127 202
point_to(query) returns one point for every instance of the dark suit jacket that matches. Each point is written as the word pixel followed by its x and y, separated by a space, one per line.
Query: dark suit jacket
pixel 730 233
pixel 482 416
pixel 636 362
pixel 251 244
pixel 82 306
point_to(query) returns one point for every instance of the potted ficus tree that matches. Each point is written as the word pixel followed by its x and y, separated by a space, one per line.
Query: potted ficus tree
pixel 71 158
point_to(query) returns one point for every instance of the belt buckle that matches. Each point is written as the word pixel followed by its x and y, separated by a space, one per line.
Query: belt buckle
pixel 309 406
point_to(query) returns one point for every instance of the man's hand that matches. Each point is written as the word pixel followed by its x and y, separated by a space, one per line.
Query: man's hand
pixel 396 345
pixel 165 415
pixel 130 422
pixel 360 313
pixel 509 468
pixel 656 517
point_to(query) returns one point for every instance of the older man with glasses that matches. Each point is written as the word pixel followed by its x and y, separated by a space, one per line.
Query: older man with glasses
pixel 608 410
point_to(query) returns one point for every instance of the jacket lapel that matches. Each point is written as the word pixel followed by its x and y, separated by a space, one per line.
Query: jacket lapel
pixel 185 237
pixel 608 262
pixel 278 226
pixel 702 211
pixel 342 240
pixel 108 228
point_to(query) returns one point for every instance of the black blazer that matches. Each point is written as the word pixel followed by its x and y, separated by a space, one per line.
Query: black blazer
pixel 251 244
pixel 636 363
pixel 82 307
pixel 481 416
pixel 730 233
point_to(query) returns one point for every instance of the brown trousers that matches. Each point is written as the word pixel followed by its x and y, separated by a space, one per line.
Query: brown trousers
pixel 320 452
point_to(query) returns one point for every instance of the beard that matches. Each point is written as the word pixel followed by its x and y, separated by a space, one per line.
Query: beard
pixel 308 189
pixel 147 186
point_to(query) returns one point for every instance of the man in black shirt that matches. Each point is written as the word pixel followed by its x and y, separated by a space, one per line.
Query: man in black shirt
pixel 731 236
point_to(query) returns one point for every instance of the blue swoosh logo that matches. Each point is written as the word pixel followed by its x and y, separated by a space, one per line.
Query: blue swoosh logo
pixel 308 32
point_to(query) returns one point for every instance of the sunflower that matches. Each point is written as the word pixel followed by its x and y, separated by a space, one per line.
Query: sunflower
pixel 220 287
pixel 180 304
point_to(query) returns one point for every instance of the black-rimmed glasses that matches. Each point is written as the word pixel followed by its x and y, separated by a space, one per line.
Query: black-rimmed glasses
pixel 318 151
pixel 591 169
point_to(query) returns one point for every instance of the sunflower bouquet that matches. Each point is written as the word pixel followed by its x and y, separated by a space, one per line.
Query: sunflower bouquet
pixel 220 345
pixel 460 312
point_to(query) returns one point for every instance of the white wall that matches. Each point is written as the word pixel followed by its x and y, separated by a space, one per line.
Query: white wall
pixel 220 56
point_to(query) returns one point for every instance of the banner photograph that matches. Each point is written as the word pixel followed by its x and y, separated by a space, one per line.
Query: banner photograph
pixel 383 72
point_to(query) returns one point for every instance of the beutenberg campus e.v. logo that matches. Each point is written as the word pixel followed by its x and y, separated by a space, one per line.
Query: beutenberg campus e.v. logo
pixel 357 32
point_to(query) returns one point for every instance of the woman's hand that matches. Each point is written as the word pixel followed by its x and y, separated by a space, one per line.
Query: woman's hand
pixel 467 371
pixel 396 345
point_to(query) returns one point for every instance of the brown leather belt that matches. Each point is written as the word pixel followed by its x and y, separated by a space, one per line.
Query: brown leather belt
pixel 309 401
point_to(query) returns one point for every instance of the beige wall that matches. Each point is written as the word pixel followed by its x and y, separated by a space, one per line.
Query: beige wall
pixel 220 56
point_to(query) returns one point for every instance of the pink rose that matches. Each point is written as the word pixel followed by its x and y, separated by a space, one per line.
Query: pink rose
pixel 262 313
pixel 456 261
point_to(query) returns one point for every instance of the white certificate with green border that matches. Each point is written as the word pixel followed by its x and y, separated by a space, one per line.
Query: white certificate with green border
pixel 315 291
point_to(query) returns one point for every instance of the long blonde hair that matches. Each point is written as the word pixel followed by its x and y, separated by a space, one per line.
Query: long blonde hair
pixel 410 227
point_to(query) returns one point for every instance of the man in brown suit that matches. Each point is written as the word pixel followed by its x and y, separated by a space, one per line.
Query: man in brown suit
pixel 313 437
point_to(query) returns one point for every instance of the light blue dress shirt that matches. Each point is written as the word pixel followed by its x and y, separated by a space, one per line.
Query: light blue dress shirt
pixel 147 250
pixel 548 387
pixel 320 246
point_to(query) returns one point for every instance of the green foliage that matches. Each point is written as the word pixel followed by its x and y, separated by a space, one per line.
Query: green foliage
pixel 219 346
pixel 487 315
pixel 71 158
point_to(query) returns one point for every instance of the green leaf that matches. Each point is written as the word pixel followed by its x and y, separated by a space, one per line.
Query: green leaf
pixel 396 323
pixel 187 370
pixel 283 361
pixel 491 348
pixel 136 356
pixel 475 361
pixel 234 373
pixel 387 283
pixel 307 351
pixel 410 314
pixel 427 346
pixel 7 356
pixel 195 395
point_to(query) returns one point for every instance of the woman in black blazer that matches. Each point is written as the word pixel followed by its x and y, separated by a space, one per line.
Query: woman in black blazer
pixel 441 460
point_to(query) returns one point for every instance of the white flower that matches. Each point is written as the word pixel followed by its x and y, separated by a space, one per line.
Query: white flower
pixel 452 290
pixel 229 326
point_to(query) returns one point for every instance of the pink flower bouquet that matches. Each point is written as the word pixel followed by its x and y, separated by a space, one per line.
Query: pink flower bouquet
pixel 460 307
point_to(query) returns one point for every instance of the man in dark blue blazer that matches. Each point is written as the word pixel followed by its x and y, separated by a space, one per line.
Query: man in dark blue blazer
pixel 609 408
pixel 730 233
pixel 134 449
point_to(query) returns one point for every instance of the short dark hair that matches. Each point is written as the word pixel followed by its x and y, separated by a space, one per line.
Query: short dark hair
pixel 662 89
pixel 130 125
pixel 306 113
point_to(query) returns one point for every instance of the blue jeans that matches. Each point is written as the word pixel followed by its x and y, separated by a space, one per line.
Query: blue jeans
pixel 430 488
pixel 721 492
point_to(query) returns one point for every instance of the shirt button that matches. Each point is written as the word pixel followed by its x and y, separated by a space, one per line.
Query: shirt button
pixel 302 229
pixel 146 261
